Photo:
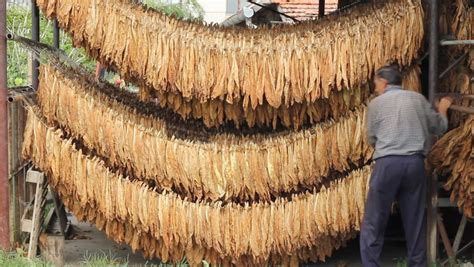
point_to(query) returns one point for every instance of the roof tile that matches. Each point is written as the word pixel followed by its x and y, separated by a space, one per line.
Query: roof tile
pixel 304 9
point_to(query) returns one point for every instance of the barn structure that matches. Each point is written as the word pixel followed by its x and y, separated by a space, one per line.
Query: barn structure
pixel 243 146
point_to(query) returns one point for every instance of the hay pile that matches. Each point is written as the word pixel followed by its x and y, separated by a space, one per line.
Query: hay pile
pixel 244 75
pixel 259 166
pixel 305 225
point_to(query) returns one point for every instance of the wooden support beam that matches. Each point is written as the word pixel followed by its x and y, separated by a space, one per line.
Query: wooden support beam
pixel 433 75
pixel 459 234
pixel 444 237
pixel 16 165
pixel 38 178
pixel 4 188
pixel 321 8
pixel 432 208
pixel 468 110
pixel 60 212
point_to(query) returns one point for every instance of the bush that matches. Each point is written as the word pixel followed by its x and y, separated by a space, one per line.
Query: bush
pixel 191 10
pixel 19 23
pixel 15 259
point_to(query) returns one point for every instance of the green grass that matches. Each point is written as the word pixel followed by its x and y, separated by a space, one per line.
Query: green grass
pixel 16 259
pixel 103 259
pixel 90 259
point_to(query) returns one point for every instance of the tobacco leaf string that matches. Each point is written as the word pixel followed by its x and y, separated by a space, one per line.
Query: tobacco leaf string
pixel 87 180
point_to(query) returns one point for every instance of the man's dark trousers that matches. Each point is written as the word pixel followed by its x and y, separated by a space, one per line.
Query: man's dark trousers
pixel 401 178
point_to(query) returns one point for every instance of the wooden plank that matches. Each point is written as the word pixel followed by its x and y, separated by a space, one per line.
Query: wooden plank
pixel 444 237
pixel 60 212
pixel 16 125
pixel 459 234
pixel 48 218
pixel 35 177
pixel 12 163
pixel 26 225
pixel 432 214
pixel 462 109
pixel 444 202
pixel 33 245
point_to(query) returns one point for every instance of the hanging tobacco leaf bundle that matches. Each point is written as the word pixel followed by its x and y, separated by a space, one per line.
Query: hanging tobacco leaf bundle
pixel 459 20
pixel 220 167
pixel 167 226
pixel 280 66
pixel 462 21
pixel 452 155
pixel 411 80
pixel 215 112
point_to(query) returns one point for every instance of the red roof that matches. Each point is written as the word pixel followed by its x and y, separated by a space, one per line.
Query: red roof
pixel 304 9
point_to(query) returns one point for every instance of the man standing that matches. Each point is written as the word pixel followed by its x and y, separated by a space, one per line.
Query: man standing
pixel 399 124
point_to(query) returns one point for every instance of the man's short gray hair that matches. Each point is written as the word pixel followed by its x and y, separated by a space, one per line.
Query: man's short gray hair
pixel 391 74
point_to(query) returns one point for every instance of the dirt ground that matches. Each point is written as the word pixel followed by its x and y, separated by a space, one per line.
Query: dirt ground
pixel 90 242
pixel 95 242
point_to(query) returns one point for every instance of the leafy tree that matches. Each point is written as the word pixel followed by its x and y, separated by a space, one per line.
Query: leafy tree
pixel 19 23
pixel 186 10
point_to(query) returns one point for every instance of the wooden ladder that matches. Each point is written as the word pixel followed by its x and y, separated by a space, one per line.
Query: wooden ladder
pixel 38 221
pixel 33 225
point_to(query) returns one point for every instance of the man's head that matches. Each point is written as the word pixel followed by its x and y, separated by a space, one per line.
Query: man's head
pixel 385 76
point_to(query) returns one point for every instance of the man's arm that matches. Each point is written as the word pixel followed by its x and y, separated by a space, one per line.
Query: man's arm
pixel 438 121
pixel 371 136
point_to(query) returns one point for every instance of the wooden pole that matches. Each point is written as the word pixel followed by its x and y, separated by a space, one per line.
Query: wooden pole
pixel 35 36
pixel 4 188
pixel 444 237
pixel 16 124
pixel 56 36
pixel 432 207
pixel 321 8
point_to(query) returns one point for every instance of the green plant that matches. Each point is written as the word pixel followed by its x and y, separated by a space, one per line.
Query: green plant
pixel 189 10
pixel 103 259
pixel 19 23
pixel 17 259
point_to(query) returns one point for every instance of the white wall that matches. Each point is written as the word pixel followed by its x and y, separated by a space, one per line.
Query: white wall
pixel 218 10
pixel 25 3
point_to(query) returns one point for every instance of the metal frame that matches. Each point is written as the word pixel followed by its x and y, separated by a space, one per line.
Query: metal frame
pixel 456 42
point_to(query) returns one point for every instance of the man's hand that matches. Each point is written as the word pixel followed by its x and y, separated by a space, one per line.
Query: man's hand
pixel 444 104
